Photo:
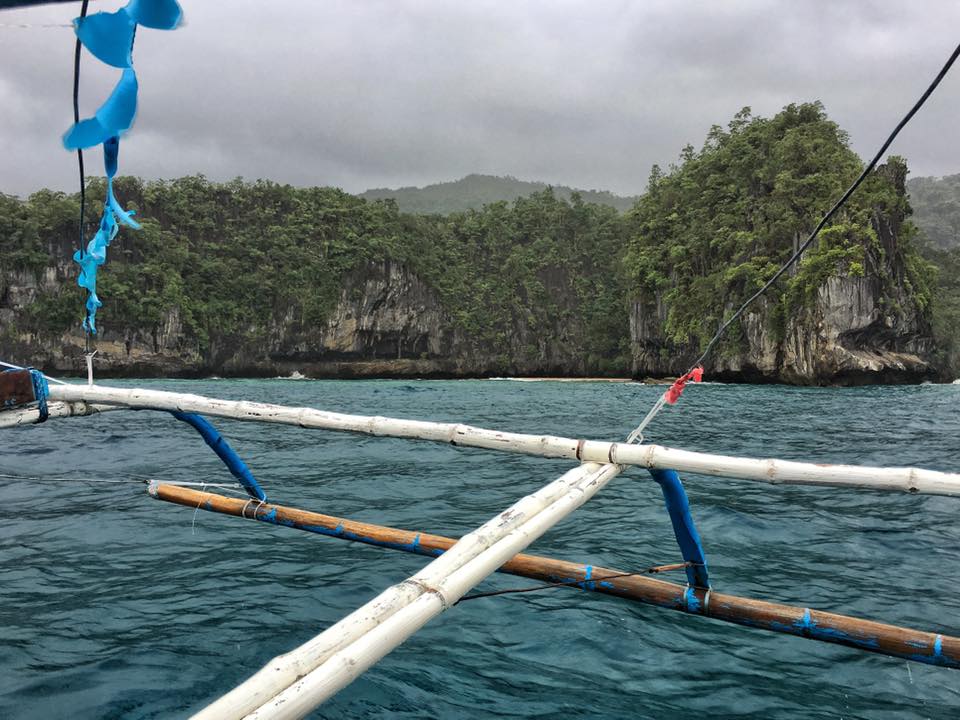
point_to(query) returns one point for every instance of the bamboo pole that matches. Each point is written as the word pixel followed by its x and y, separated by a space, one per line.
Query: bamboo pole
pixel 345 666
pixel 913 480
pixel 906 643
pixel 433 589
pixel 30 415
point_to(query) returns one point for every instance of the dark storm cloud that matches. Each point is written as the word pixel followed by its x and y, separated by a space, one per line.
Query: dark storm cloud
pixel 363 94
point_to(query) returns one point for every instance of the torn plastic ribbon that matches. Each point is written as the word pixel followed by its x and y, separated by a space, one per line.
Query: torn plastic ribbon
pixel 114 116
pixel 156 14
pixel 108 36
pixel 96 253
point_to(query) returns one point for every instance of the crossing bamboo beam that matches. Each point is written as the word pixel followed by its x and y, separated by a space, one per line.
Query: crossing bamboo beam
pixel 30 415
pixel 291 685
pixel 909 644
pixel 912 480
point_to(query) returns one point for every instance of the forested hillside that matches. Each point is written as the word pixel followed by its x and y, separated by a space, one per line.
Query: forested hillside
pixel 474 191
pixel 238 277
pixel 936 209
pixel 936 206
pixel 712 230
pixel 259 278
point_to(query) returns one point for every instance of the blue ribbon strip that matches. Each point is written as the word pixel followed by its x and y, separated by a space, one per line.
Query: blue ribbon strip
pixel 109 37
pixel 685 530
pixel 222 448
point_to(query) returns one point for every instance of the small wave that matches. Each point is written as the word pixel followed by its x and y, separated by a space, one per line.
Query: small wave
pixel 295 375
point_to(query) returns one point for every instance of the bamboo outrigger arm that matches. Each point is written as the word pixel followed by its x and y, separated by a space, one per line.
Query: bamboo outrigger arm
pixel 30 415
pixel 912 480
pixel 291 685
pixel 916 645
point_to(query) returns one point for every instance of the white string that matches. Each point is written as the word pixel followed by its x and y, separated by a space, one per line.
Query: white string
pixel 141 479
pixel 637 434
pixel 35 25
pixel 193 522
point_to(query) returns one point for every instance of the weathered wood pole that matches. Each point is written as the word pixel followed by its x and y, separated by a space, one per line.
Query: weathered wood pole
pixel 906 643
pixel 291 685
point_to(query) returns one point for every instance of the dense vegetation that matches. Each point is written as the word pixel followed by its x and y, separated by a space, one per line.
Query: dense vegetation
pixel 712 230
pixel 936 204
pixel 236 260
pixel 474 191
pixel 936 209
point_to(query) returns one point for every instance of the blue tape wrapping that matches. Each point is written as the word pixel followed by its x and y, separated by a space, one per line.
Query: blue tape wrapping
pixel 227 454
pixel 40 391
pixel 685 530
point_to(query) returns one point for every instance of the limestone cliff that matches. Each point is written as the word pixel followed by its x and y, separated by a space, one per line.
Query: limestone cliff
pixel 855 329
pixel 387 323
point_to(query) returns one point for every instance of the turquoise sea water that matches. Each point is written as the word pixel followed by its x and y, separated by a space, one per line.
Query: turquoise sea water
pixel 113 605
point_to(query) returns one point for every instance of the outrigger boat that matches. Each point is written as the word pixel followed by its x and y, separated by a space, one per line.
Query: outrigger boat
pixel 291 685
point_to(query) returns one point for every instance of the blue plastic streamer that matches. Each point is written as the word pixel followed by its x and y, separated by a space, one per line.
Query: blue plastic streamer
pixel 96 253
pixel 156 14
pixel 109 37
pixel 685 530
pixel 227 454
pixel 114 117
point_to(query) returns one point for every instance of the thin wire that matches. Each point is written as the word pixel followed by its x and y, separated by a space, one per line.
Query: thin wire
pixel 568 583
pixel 76 119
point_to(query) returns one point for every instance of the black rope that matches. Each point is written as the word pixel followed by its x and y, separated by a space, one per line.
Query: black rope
pixel 843 199
pixel 569 583
pixel 76 119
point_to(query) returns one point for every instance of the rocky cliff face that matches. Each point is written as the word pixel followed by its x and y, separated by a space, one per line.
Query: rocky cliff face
pixel 387 322
pixel 855 330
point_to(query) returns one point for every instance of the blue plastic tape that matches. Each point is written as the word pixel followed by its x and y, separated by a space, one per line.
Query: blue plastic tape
pixel 114 117
pixel 40 391
pixel 685 530
pixel 108 36
pixel 227 454
pixel 156 14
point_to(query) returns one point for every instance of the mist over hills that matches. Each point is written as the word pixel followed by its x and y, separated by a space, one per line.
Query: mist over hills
pixel 474 191
pixel 936 209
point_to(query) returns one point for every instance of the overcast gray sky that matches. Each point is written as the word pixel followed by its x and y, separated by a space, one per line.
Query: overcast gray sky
pixel 371 93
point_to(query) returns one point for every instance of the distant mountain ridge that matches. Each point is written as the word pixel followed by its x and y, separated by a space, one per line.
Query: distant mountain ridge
pixel 474 191
pixel 936 209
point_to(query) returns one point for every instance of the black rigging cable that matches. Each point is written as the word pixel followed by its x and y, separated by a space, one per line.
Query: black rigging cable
pixel 76 119
pixel 843 199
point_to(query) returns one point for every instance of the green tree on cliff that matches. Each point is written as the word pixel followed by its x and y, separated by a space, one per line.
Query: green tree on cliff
pixel 714 228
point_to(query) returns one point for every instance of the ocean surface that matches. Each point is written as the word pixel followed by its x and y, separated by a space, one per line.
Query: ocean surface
pixel 114 605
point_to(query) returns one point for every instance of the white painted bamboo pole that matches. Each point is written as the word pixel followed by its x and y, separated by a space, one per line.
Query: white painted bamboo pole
pixel 30 415
pixel 914 480
pixel 342 668
pixel 286 669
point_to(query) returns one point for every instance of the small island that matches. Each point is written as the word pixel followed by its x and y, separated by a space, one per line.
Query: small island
pixel 261 279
